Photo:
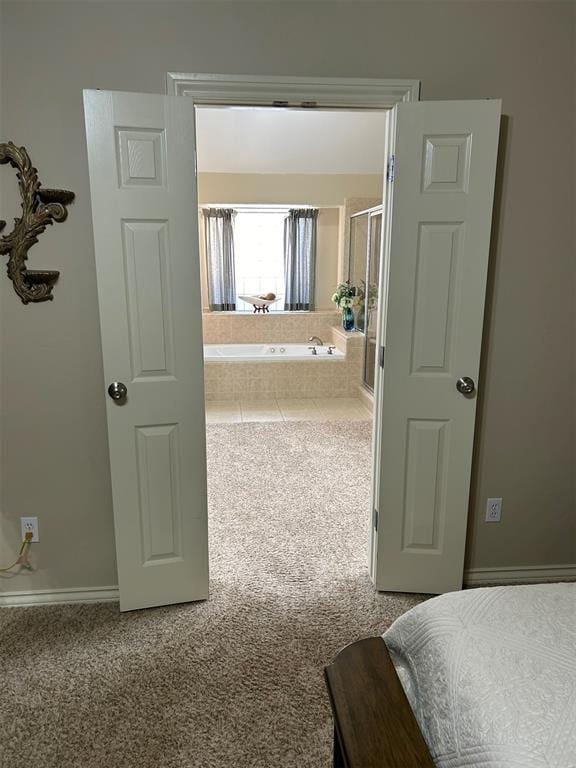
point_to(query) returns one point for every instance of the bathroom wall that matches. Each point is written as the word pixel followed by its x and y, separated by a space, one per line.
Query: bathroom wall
pixel 312 189
pixel 327 192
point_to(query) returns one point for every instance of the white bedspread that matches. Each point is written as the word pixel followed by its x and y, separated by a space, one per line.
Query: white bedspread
pixel 491 675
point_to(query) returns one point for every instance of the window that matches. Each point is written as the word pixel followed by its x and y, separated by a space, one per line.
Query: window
pixel 259 254
pixel 253 250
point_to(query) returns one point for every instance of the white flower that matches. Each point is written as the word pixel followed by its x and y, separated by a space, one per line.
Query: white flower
pixel 334 298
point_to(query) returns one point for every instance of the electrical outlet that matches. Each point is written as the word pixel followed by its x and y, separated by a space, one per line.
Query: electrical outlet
pixel 30 525
pixel 493 511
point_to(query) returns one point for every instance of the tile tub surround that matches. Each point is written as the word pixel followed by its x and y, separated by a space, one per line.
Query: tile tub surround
pixel 248 328
pixel 307 379
pixel 347 341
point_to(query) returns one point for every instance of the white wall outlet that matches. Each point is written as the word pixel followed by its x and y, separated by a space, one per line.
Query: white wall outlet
pixel 30 525
pixel 493 511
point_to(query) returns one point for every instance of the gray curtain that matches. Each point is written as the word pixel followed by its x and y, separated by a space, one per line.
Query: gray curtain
pixel 219 239
pixel 300 258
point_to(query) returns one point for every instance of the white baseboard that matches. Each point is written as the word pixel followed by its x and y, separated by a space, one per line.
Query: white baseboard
pixel 58 596
pixel 474 577
pixel 528 574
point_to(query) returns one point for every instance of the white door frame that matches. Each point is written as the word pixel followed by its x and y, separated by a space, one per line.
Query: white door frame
pixel 310 92
pixel 264 90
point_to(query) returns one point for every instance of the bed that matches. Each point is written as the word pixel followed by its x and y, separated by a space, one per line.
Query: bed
pixel 484 678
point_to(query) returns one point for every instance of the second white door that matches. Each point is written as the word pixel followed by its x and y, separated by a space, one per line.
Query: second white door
pixel 437 235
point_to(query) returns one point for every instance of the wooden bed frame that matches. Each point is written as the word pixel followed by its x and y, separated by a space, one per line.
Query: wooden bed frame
pixel 374 726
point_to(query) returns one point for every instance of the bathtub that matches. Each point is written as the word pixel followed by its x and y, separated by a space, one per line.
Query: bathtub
pixel 268 353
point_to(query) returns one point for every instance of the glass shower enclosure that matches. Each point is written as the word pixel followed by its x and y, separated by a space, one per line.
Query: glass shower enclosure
pixel 364 273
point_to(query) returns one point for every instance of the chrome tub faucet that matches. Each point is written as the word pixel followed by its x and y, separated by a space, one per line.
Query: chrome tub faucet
pixel 316 340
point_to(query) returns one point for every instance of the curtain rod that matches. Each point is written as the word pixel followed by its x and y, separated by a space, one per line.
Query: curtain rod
pixel 265 206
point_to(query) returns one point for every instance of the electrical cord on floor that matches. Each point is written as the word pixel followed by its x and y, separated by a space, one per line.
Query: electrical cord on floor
pixel 22 558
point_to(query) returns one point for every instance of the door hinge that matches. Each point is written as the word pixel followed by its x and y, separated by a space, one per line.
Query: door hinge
pixel 381 357
pixel 375 519
pixel 390 168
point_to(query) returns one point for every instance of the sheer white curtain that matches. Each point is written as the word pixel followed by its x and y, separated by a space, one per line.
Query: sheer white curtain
pixel 219 240
pixel 259 252
pixel 300 258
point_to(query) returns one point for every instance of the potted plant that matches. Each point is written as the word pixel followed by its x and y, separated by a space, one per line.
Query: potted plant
pixel 345 297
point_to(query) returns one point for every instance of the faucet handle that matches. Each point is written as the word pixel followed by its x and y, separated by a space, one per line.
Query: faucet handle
pixel 331 350
pixel 314 350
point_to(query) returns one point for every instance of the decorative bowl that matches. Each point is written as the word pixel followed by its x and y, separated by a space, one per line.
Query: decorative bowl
pixel 257 301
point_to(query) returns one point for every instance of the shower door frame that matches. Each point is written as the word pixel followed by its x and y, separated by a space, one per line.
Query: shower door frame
pixel 376 210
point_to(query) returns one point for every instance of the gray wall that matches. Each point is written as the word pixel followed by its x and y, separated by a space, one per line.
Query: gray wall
pixel 55 452
pixel 3 523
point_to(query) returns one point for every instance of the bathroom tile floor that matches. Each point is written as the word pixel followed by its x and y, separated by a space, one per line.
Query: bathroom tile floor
pixel 286 409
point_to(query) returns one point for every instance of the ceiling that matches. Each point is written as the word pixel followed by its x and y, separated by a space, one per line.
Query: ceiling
pixel 276 140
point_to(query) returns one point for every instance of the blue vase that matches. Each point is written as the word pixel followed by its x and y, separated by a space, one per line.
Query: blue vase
pixel 347 319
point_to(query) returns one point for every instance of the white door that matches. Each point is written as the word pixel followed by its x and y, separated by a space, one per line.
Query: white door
pixel 141 152
pixel 439 197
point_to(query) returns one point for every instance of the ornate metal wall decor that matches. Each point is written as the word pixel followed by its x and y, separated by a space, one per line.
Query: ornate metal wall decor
pixel 40 207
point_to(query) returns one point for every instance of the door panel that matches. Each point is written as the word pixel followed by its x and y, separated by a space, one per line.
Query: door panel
pixel 142 178
pixel 148 298
pixel 425 494
pixel 436 265
pixel 437 240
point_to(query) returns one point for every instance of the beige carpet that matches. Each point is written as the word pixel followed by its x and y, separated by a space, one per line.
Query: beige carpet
pixel 235 682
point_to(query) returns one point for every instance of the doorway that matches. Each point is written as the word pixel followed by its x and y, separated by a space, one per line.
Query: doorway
pixel 436 242
pixel 284 380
